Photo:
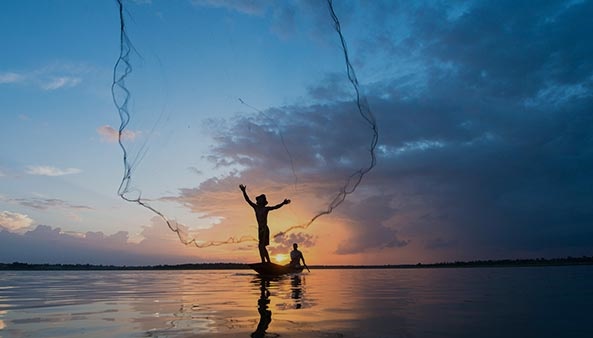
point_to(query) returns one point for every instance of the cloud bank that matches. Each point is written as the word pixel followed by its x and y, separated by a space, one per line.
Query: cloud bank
pixel 46 244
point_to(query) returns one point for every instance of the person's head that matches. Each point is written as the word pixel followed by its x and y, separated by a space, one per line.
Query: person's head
pixel 261 200
pixel 295 246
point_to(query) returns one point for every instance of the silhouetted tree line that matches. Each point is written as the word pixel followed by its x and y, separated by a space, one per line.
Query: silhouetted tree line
pixel 199 266
pixel 584 260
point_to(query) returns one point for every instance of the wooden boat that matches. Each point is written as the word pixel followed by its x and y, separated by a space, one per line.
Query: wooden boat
pixel 271 269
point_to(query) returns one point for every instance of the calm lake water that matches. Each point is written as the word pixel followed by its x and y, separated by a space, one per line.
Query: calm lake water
pixel 476 302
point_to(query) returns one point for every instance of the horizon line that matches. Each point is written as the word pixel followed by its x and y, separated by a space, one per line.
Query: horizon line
pixel 569 260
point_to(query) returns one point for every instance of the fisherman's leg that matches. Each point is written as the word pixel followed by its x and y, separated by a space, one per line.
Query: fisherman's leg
pixel 265 242
pixel 262 253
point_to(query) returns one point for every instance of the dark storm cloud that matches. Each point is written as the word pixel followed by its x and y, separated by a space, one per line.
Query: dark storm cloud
pixel 330 88
pixel 512 49
pixel 371 225
pixel 508 96
pixel 486 146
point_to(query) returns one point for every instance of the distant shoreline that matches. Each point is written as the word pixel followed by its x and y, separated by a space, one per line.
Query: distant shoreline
pixel 538 262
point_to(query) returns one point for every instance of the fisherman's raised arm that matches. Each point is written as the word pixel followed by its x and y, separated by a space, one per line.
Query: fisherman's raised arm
pixel 243 189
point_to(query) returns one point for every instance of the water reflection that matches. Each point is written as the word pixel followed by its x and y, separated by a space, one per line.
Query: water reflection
pixel 296 294
pixel 289 288
pixel 265 315
pixel 532 302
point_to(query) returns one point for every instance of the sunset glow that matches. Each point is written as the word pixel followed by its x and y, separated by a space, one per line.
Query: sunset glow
pixel 282 258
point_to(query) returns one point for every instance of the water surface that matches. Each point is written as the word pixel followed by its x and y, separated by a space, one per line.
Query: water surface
pixel 476 302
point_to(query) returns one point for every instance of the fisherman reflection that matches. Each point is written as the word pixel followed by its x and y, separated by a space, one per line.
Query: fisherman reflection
pixel 265 315
pixel 296 294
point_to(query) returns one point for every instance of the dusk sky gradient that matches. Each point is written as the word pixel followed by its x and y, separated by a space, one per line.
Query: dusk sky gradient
pixel 484 110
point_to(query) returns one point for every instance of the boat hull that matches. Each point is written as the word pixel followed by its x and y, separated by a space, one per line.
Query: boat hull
pixel 271 269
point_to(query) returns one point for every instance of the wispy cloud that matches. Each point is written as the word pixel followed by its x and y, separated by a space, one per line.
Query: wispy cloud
pixel 254 7
pixel 110 134
pixel 47 203
pixel 11 77
pixel 14 221
pixel 48 78
pixel 60 82
pixel 46 170
pixel 195 170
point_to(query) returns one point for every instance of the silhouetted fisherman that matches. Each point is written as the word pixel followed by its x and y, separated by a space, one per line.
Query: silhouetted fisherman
pixel 296 256
pixel 261 213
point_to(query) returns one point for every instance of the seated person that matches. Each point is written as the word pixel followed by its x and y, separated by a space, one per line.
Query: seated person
pixel 296 256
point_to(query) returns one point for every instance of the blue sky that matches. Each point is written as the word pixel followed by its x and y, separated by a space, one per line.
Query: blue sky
pixel 483 109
